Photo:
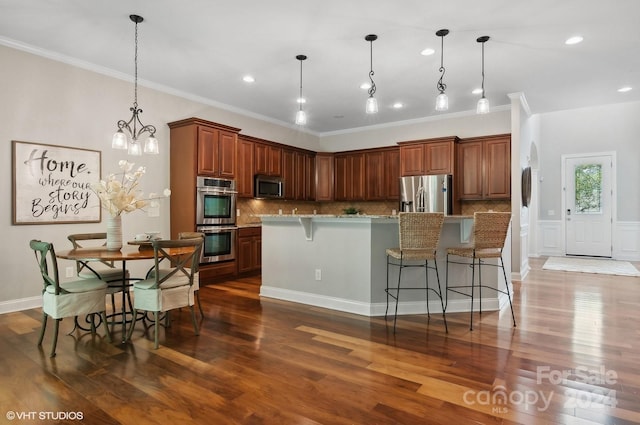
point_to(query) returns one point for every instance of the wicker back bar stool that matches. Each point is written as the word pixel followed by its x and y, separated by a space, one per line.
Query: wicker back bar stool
pixel 419 237
pixel 489 234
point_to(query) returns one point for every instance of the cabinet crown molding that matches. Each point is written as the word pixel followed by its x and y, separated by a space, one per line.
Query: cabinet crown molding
pixel 200 121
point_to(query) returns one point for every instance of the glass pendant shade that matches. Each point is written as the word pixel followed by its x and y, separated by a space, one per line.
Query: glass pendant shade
pixel 151 146
pixel 483 106
pixel 301 118
pixel 442 102
pixel 372 105
pixel 134 148
pixel 119 140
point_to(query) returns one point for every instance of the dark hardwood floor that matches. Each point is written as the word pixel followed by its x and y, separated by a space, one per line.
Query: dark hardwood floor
pixel 573 359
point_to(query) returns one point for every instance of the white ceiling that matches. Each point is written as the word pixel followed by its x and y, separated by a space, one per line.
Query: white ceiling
pixel 203 48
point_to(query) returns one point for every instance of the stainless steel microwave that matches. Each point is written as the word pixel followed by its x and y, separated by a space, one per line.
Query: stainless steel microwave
pixel 268 187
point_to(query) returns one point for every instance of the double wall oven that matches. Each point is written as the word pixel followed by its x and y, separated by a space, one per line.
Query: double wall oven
pixel 216 218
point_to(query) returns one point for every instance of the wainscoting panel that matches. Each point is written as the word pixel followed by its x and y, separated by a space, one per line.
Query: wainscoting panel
pixel 626 240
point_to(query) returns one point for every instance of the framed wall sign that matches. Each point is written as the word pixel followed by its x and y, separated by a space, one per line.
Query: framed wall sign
pixel 52 184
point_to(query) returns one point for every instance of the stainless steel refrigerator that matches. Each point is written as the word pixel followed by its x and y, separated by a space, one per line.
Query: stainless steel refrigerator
pixel 427 194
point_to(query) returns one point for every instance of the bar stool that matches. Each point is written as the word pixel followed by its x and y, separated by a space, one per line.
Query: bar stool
pixel 419 236
pixel 489 235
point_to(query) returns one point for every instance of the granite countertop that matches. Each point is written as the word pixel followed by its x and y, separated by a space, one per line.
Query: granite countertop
pixel 447 217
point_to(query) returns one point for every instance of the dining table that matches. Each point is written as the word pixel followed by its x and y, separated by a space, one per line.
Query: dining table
pixel 134 250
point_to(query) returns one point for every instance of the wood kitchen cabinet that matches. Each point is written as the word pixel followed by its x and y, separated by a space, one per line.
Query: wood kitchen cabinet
pixel 249 257
pixel 428 156
pixel 298 173
pixel 216 152
pixel 484 165
pixel 350 176
pixel 268 159
pixel 197 147
pixel 382 171
pixel 324 177
pixel 244 177
pixel 288 173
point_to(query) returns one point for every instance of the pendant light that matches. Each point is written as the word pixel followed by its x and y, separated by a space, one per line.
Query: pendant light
pixel 120 139
pixel 442 101
pixel 372 103
pixel 301 117
pixel 483 103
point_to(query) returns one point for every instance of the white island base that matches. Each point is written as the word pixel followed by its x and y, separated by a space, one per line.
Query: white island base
pixel 339 262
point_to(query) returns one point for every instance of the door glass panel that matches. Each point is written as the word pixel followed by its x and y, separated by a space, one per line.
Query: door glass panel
pixel 588 184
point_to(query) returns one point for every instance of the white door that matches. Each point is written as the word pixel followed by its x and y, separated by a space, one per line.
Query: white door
pixel 588 205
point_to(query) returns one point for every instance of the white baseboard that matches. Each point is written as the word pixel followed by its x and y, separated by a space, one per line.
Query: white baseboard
pixel 21 304
pixel 378 309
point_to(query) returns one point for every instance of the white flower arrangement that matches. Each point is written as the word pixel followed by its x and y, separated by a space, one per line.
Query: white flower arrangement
pixel 120 193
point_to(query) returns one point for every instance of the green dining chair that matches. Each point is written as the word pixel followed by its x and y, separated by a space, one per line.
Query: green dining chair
pixel 66 299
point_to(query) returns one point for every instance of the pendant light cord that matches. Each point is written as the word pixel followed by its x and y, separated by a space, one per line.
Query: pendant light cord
pixel 372 89
pixel 135 70
pixel 440 85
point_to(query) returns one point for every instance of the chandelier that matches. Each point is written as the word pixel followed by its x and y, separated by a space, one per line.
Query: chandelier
pixel 134 127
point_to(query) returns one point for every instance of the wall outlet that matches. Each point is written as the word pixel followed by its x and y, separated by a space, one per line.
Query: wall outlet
pixel 70 272
pixel 238 212
pixel 318 274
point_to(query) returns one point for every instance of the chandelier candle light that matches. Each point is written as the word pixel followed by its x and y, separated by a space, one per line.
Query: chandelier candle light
pixel 301 117
pixel 442 101
pixel 120 194
pixel 483 103
pixel 372 103
pixel 120 139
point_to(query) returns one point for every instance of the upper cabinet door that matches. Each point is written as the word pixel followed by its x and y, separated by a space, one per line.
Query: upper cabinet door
pixel 227 152
pixel 412 160
pixel 497 169
pixel 439 157
pixel 244 175
pixel 207 151
pixel 484 165
pixel 217 154
pixel 268 159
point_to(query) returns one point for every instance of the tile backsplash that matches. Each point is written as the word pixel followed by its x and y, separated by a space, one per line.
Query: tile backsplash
pixel 250 207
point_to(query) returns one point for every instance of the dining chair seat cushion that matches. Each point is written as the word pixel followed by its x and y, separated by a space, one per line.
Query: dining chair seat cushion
pixel 84 296
pixel 411 254
pixel 172 293
pixel 477 253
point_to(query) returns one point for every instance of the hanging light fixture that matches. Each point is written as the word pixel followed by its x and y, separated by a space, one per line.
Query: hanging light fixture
pixel 442 101
pixel 483 103
pixel 120 139
pixel 301 117
pixel 372 103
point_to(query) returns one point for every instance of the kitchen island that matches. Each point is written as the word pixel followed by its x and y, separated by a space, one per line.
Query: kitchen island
pixel 339 262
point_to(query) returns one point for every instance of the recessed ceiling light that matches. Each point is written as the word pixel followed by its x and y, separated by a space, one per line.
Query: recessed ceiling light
pixel 427 52
pixel 574 40
pixel 477 91
pixel 624 89
pixel 248 79
pixel 398 105
pixel 365 86
pixel 301 100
